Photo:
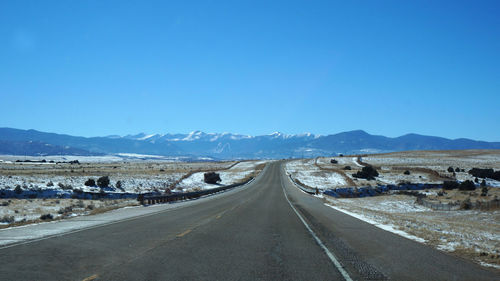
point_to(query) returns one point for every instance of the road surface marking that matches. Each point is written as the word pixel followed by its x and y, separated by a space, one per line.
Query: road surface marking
pixel 25 241
pixel 184 233
pixel 330 255
pixel 90 278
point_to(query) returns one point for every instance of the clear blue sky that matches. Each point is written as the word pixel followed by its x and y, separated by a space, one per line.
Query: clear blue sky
pixel 94 68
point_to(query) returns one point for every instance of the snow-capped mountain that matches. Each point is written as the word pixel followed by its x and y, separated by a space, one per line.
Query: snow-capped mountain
pixel 225 145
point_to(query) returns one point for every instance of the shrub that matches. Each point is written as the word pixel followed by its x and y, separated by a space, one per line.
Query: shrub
pixel 483 183
pixel 496 176
pixel 18 189
pixel 7 219
pixel 80 204
pixel 46 217
pixel 119 185
pixel 467 185
pixel 50 183
pixel 333 161
pixel 450 169
pixel 481 173
pixel 211 177
pixel 90 182
pixel 484 191
pixel 449 185
pixel 406 172
pixel 63 186
pixel 466 204
pixel 66 210
pixel 368 172
pixel 103 181
pixel 347 168
pixel 457 169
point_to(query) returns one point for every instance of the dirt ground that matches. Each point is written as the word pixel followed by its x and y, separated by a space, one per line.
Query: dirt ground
pixel 472 234
pixel 14 212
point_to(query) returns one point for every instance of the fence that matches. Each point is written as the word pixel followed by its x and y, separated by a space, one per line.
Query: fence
pixel 478 205
pixel 164 198
pixel 354 192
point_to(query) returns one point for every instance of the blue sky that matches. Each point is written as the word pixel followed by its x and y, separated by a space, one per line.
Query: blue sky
pixel 94 68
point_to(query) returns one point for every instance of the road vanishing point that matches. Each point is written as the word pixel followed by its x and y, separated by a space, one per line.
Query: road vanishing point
pixel 265 230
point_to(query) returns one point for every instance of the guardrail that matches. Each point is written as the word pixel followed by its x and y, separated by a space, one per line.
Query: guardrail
pixel 164 198
pixel 303 188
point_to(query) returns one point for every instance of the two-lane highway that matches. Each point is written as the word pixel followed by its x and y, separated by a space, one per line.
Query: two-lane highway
pixel 246 235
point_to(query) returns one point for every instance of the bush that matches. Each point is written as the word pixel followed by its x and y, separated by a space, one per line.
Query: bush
pixel 18 189
pixel 119 185
pixel 347 168
pixel 466 204
pixel 467 185
pixel 450 169
pixel 63 186
pixel 66 210
pixel 484 191
pixel 103 181
pixel 50 183
pixel 368 172
pixel 496 176
pixel 481 173
pixel 90 182
pixel 449 185
pixel 406 172
pixel 211 177
pixel 7 219
pixel 333 161
pixel 483 183
pixel 457 169
pixel 46 217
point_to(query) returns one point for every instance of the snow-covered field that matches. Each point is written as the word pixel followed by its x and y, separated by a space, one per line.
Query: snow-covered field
pixel 235 174
pixel 30 210
pixel 473 234
pixel 129 183
pixel 424 166
pixel 310 175
pixel 135 177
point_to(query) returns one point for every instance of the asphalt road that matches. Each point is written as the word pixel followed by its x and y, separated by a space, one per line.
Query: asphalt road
pixel 252 234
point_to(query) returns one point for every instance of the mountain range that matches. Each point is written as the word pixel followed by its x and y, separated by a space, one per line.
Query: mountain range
pixel 225 145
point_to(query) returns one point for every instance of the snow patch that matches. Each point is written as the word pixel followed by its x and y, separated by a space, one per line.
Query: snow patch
pixel 386 227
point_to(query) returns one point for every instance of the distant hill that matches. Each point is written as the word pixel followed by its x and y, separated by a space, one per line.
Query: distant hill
pixel 225 145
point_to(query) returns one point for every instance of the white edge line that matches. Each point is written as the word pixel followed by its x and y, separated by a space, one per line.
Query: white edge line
pixel 330 255
pixel 386 227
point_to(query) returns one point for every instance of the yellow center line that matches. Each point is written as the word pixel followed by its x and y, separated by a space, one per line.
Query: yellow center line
pixel 184 233
pixel 90 278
